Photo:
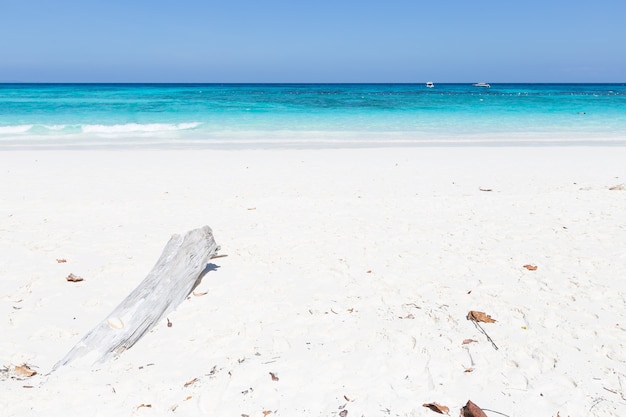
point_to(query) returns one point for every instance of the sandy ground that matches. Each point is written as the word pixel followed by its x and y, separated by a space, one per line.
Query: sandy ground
pixel 349 277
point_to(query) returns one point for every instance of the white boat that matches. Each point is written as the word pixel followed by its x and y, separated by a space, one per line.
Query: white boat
pixel 430 84
pixel 481 85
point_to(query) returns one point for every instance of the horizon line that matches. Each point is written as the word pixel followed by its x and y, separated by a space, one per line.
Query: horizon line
pixel 303 82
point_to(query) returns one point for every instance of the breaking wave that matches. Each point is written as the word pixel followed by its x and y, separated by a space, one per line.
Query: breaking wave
pixel 138 128
pixel 116 129
pixel 7 130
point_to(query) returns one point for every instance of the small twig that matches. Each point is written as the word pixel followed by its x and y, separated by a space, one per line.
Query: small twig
pixel 614 391
pixel 493 411
pixel 483 331
pixel 218 256
pixel 596 402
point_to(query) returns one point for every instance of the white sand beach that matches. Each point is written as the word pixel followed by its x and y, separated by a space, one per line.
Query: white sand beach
pixel 346 287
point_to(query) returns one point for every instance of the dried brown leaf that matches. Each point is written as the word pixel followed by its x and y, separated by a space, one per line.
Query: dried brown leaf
pixel 472 410
pixel 437 408
pixel 24 371
pixel 530 267
pixel 74 278
pixel 61 261
pixel 274 376
pixel 144 405
pixel 468 341
pixel 343 413
pixel 266 412
pixel 191 382
pixel 479 316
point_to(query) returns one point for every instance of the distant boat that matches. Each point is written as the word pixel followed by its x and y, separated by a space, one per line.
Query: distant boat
pixel 430 84
pixel 481 85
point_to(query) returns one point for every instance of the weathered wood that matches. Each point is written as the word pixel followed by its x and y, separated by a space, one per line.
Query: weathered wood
pixel 177 272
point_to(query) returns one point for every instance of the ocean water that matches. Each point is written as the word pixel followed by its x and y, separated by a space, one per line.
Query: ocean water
pixel 309 115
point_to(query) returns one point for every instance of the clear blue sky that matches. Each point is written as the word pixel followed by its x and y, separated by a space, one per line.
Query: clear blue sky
pixel 312 41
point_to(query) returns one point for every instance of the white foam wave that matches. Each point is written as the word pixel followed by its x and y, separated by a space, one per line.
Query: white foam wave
pixel 15 129
pixel 137 127
pixel 55 127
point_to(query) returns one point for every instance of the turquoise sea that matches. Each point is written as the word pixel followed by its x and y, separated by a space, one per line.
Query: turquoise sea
pixel 309 115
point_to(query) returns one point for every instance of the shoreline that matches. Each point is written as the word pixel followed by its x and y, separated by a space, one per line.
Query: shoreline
pixel 256 145
pixel 349 276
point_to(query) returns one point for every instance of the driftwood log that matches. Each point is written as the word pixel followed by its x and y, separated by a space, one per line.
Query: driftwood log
pixel 178 271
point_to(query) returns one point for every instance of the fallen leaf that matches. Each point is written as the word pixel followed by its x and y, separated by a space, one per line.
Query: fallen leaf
pixel 193 381
pixel 343 413
pixel 369 271
pixel 169 323
pixel 472 410
pixel 266 413
pixel 479 316
pixel 531 267
pixel 468 341
pixel 61 261
pixel 144 405
pixel 24 371
pixel 73 278
pixel 469 370
pixel 274 376
pixel 437 408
